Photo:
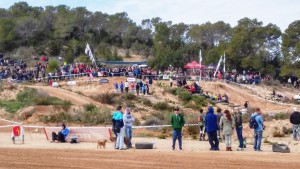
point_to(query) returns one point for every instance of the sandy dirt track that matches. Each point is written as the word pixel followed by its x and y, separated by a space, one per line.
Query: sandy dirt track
pixel 40 159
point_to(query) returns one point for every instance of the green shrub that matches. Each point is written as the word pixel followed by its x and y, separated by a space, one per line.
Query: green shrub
pixel 282 116
pixel 129 96
pixel 52 65
pixel 185 96
pixel 193 130
pixel 161 136
pixel 26 95
pixel 130 104
pixel 287 131
pixel 161 106
pixel 12 106
pixel 105 98
pixel 147 102
pixel 172 91
pixel 89 107
pixel 278 134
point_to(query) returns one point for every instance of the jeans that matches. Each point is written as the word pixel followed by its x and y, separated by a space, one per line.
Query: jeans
pixel 296 130
pixel 132 91
pixel 117 90
pixel 257 140
pixel 213 140
pixel 177 135
pixel 120 139
pixel 128 131
pixel 239 133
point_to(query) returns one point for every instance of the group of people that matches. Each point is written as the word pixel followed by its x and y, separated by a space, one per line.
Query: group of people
pixel 213 124
pixel 122 127
pixel 141 87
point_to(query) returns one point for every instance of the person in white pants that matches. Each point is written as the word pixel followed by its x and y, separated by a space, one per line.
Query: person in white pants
pixel 227 124
pixel 118 128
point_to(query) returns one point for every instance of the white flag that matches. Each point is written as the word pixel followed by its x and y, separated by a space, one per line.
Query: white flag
pixel 200 56
pixel 218 66
pixel 88 51
pixel 224 64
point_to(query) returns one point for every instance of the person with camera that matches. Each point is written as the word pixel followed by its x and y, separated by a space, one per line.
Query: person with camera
pixel 118 128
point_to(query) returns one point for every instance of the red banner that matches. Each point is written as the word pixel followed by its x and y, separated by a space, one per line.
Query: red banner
pixel 84 134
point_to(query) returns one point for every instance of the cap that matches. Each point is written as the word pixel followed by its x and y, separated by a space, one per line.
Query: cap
pixel 176 109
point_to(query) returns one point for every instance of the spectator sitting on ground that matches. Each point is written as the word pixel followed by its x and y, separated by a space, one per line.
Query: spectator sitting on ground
pixel 61 135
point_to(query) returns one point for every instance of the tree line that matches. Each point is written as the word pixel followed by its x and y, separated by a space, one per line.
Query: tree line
pixel 64 31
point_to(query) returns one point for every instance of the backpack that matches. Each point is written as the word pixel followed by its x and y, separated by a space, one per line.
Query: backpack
pixel 253 123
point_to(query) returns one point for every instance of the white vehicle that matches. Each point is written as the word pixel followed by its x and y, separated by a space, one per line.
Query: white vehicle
pixel 297 97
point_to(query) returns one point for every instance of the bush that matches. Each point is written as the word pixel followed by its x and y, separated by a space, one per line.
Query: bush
pixel 26 95
pixel 12 106
pixel 89 107
pixel 278 134
pixel 164 116
pixel 172 91
pixel 105 98
pixel 129 96
pixel 93 116
pixel 152 121
pixel 161 136
pixel 147 102
pixel 287 131
pixel 282 116
pixel 130 104
pixel 185 96
pixel 161 106
pixel 193 130
pixel 52 66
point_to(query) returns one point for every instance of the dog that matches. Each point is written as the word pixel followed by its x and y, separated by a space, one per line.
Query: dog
pixel 126 141
pixel 101 143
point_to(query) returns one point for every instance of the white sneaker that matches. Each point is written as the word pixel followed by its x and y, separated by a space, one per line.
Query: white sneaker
pixel 240 149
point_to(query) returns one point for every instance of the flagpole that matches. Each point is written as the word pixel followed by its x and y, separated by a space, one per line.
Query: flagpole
pixel 200 61
pixel 224 69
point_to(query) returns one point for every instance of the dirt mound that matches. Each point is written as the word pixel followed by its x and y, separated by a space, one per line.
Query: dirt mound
pixel 238 96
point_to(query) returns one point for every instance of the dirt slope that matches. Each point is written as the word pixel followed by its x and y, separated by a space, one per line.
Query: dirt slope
pixel 76 99
pixel 238 96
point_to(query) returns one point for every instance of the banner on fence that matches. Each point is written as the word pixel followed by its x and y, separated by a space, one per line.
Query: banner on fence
pixel 166 77
pixel 130 79
pixel 84 134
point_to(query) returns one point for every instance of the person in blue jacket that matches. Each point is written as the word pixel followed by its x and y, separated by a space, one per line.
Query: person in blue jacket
pixel 62 135
pixel 212 127
pixel 116 86
pixel 258 132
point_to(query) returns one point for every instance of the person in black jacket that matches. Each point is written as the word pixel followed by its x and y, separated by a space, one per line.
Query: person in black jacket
pixel 295 120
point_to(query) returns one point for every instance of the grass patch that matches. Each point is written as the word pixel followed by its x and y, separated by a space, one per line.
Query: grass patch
pixel 147 102
pixel 161 106
pixel 105 98
pixel 90 115
pixel 129 96
pixel 12 106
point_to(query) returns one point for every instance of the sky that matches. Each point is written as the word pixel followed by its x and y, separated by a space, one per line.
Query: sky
pixel 279 12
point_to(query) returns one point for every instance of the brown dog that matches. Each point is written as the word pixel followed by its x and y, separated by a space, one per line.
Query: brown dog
pixel 101 143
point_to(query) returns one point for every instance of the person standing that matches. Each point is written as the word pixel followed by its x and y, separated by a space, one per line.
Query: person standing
pixel 295 120
pixel 177 122
pixel 118 128
pixel 258 130
pixel 219 115
pixel 128 122
pixel 137 88
pixel 132 87
pixel 116 86
pixel 239 128
pixel 126 86
pixel 211 124
pixel 201 123
pixel 227 124
pixel 122 87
